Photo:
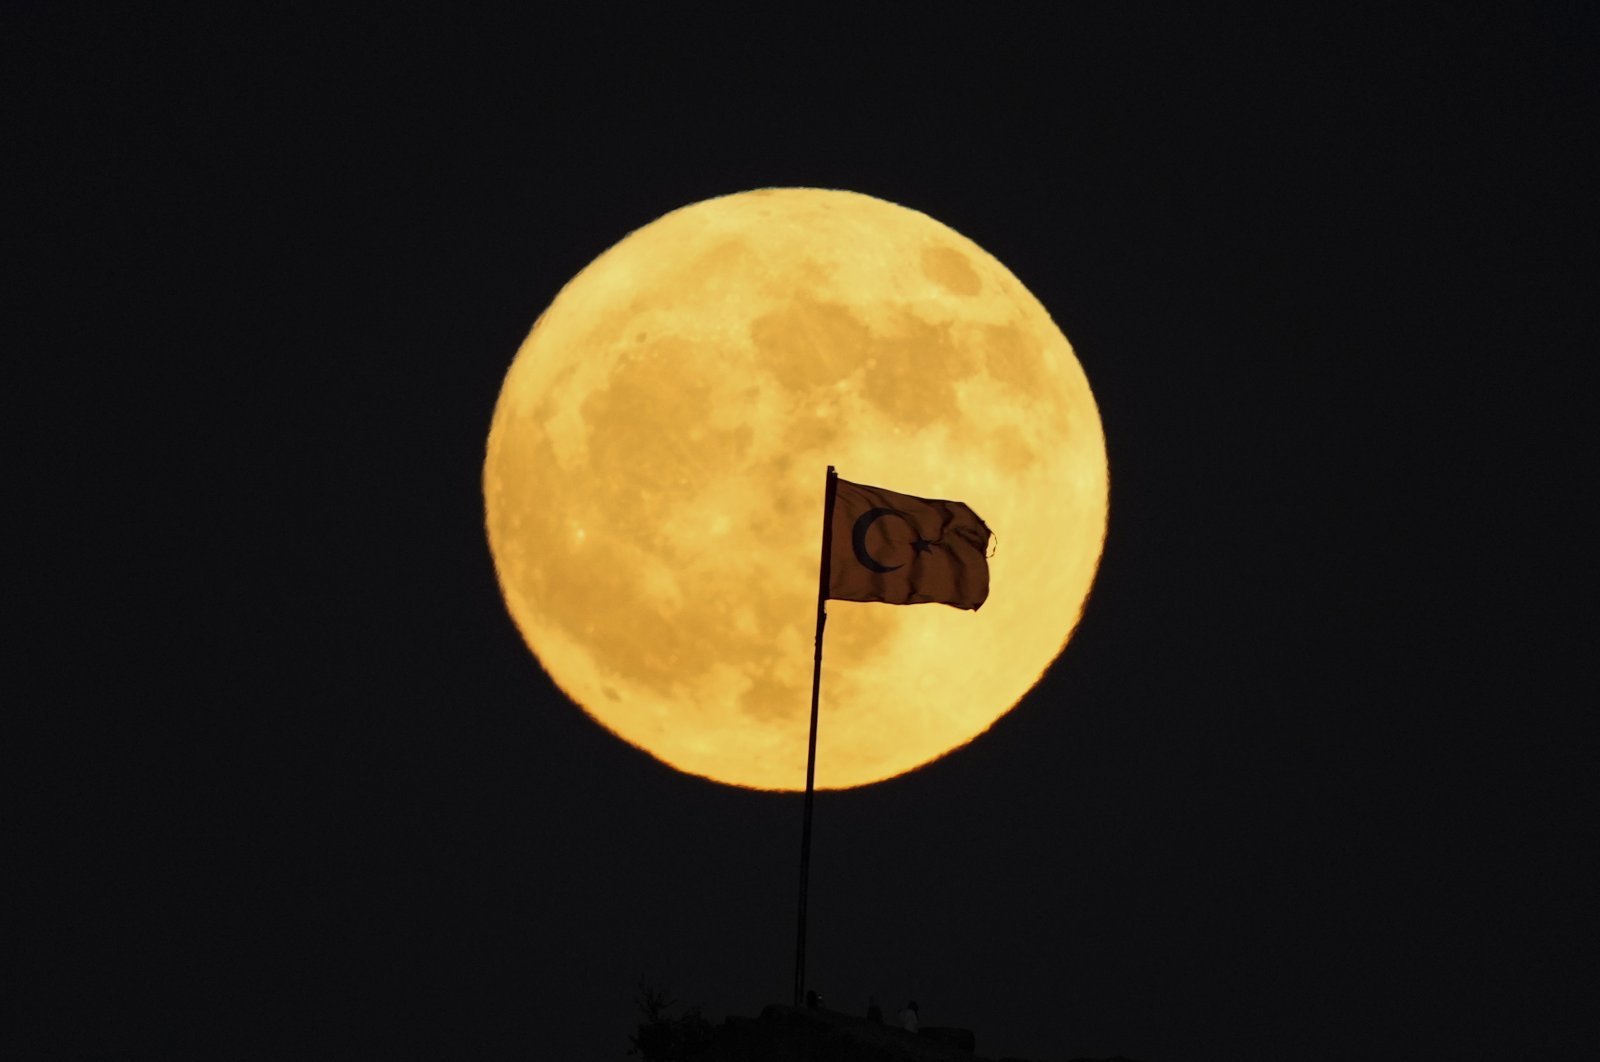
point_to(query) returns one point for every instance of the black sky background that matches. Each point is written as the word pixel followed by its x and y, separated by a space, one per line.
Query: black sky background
pixel 1313 779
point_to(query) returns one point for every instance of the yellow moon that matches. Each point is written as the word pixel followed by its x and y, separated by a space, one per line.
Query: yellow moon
pixel 657 460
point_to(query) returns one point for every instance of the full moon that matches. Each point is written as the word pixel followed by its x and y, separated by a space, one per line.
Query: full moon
pixel 655 476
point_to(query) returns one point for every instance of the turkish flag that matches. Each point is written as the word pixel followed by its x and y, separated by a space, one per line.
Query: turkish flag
pixel 904 550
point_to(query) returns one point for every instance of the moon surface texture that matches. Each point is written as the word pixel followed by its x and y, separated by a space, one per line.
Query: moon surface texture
pixel 656 468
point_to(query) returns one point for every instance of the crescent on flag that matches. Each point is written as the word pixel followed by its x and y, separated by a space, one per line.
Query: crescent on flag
pixel 858 538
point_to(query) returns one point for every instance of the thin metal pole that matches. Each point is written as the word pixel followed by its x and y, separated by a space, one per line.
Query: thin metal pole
pixel 811 749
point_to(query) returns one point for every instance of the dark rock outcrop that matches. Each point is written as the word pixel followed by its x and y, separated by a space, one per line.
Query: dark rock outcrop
pixel 792 1034
pixel 961 1038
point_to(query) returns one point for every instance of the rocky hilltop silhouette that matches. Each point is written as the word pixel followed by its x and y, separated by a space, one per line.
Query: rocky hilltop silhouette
pixel 795 1034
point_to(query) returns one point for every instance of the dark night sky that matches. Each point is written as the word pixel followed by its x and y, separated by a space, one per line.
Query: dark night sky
pixel 1314 780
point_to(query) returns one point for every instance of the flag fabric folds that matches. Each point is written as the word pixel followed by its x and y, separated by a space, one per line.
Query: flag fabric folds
pixel 904 550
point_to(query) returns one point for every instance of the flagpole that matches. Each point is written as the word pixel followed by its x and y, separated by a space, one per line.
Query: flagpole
pixel 811 747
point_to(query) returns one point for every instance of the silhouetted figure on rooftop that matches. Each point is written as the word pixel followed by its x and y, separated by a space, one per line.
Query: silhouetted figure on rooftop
pixel 908 1017
pixel 874 1012
pixel 813 1001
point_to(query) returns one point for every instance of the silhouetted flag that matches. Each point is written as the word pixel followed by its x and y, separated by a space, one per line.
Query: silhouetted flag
pixel 906 551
